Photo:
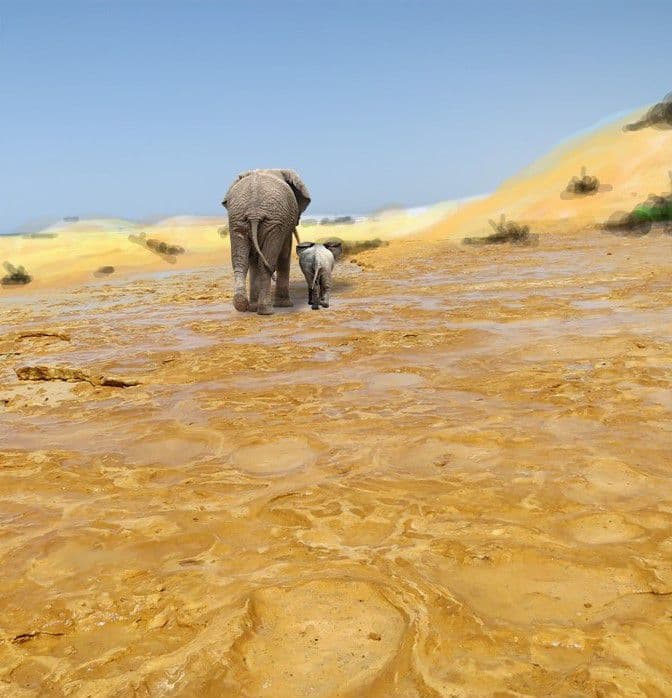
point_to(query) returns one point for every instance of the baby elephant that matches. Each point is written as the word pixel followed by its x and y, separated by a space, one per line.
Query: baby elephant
pixel 317 262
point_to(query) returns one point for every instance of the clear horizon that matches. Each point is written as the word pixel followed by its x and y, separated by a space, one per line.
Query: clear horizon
pixel 148 110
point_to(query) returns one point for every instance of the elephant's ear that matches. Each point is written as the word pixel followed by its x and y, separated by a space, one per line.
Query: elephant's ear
pixel 335 247
pixel 298 187
pixel 225 200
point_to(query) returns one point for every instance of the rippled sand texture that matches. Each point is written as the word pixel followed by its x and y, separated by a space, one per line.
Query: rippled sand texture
pixel 455 482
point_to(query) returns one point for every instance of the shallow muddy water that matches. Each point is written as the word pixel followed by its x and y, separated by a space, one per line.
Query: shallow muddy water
pixel 456 481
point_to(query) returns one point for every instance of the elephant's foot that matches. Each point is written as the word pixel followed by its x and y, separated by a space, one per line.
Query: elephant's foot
pixel 265 310
pixel 252 306
pixel 315 307
pixel 240 302
pixel 324 304
pixel 283 303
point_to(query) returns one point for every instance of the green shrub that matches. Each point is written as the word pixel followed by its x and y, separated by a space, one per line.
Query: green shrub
pixel 654 209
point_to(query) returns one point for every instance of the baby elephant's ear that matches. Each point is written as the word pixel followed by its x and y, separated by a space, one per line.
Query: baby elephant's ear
pixel 303 246
pixel 335 247
pixel 298 187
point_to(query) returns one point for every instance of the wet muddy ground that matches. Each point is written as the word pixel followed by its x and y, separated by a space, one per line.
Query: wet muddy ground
pixel 454 482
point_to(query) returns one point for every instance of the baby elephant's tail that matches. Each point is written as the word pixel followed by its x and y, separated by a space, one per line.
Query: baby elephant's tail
pixel 314 287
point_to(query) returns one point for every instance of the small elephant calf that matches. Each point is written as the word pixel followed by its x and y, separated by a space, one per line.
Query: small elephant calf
pixel 317 263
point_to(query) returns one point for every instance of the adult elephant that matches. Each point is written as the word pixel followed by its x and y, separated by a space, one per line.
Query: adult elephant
pixel 264 208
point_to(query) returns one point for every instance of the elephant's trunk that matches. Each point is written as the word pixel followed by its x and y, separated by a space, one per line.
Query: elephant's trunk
pixel 254 226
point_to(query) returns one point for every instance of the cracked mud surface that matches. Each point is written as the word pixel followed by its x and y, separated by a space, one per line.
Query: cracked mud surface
pixel 456 481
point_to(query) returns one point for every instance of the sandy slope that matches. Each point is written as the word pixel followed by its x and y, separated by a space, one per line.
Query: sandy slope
pixel 632 164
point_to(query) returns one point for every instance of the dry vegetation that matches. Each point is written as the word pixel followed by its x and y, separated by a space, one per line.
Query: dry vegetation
pixel 585 184
pixel 16 276
pixel 505 231
pixel 351 247
pixel 158 246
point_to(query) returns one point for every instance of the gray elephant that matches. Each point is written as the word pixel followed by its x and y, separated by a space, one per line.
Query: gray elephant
pixel 317 263
pixel 264 208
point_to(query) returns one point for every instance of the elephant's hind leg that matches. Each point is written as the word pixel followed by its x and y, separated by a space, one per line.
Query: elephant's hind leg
pixel 317 292
pixel 254 287
pixel 240 261
pixel 264 287
pixel 281 298
pixel 325 288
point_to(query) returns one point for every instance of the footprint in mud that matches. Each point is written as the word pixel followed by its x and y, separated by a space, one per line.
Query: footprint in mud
pixel 333 635
pixel 604 528
pixel 395 381
pixel 610 480
pixel 531 589
pixel 169 448
pixel 277 457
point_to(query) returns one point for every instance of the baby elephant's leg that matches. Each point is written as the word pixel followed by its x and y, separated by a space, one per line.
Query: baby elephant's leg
pixel 306 268
pixel 315 304
pixel 325 288
pixel 254 287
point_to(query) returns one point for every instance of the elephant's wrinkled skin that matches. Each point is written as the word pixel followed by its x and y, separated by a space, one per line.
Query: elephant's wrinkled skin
pixel 264 208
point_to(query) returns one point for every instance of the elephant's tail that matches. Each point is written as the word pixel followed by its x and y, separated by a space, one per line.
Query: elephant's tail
pixel 315 275
pixel 254 225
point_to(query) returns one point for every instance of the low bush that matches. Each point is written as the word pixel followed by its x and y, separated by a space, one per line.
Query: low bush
pixel 658 116
pixel 656 209
pixel 505 231
pixel 16 276
pixel 157 246
pixel 351 247
pixel 164 248
pixel 585 184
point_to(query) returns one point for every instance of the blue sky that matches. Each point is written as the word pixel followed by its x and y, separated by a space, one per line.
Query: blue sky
pixel 142 109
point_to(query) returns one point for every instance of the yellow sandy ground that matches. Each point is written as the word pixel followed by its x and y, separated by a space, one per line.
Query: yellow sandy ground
pixel 453 482
pixel 81 248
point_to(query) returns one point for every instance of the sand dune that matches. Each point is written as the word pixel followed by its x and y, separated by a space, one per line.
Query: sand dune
pixel 75 254
pixel 630 165
pixel 80 248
